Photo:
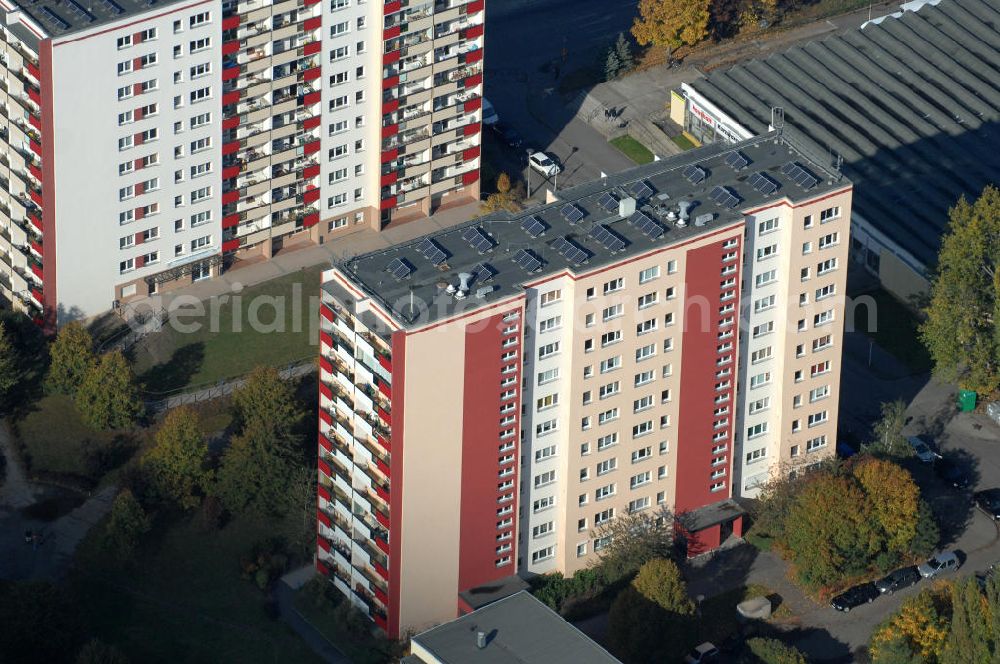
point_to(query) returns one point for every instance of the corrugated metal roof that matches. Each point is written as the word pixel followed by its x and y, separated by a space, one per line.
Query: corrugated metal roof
pixel 911 104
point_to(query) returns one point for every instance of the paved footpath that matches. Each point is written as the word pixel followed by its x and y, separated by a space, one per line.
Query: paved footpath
pixel 285 592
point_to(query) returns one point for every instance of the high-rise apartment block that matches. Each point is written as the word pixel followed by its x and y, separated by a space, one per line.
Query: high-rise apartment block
pixel 667 337
pixel 149 144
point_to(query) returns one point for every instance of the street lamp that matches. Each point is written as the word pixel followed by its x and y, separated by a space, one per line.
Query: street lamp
pixel 528 153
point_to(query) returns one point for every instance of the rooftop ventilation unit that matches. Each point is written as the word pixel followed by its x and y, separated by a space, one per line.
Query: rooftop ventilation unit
pixel 703 219
pixel 626 207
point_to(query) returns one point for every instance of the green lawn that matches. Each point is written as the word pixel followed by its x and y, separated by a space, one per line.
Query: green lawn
pixel 173 359
pixel 632 149
pixel 683 142
pixel 183 599
pixel 54 441
pixel 894 327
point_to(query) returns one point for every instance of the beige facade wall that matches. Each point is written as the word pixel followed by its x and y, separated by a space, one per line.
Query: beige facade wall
pixel 579 389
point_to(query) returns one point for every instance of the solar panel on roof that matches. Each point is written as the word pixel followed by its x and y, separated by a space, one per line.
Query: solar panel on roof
pixel 534 226
pixel 695 174
pixel 641 189
pixel 571 213
pixel 54 18
pixel 724 197
pixel 799 175
pixel 639 218
pixel 483 272
pixel 737 160
pixel 762 183
pixel 398 268
pixel 77 9
pixel 477 239
pixel 651 229
pixel 429 250
pixel 570 251
pixel 610 241
pixel 526 260
pixel 111 7
pixel 608 202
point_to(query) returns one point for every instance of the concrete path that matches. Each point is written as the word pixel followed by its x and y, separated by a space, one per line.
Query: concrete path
pixel 222 389
pixel 285 593
pixel 52 557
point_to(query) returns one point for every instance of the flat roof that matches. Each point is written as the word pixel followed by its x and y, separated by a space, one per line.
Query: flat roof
pixel 911 103
pixel 480 596
pixel 519 629
pixel 590 226
pixel 64 17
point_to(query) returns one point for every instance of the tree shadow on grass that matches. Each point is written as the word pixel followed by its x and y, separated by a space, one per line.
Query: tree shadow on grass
pixel 103 457
pixel 177 372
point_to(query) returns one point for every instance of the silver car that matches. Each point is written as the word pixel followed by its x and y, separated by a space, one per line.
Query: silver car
pixel 945 561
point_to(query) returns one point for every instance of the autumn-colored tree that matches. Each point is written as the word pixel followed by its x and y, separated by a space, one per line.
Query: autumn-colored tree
pixel 920 627
pixel 670 24
pixel 504 198
pixel 972 639
pixel 761 650
pixel 107 398
pixel 894 499
pixel 962 329
pixel 660 581
pixel 175 466
pixel 633 540
pixel 72 356
pixel 656 597
pixel 830 531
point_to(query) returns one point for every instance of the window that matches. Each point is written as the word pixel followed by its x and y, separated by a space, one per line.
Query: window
pixel 759 405
pixel 199 19
pixel 820 369
pixel 603 517
pixel 338 151
pixel 829 214
pixel 756 455
pixel 543 554
pixel 124 68
pixel 767 226
pixel 613 312
pixel 545 453
pixel 546 427
pixel 126 167
pixel 609 389
pixel 203 69
pixel 542 479
pixel 581 549
pixel 542 529
pixel 611 364
pixel 765 278
pixel 649 274
pixel 147 35
pixel 604 442
pixel 199 44
pixel 829 240
pixel 607 416
pixel 609 338
pixel 198 195
pixel 814 444
pixel 126 265
pixel 201 243
pixel 548 401
pixel 645 352
pixel 584 474
pixel 645 402
pixel 671 293
pixel 824 341
pixel 201 169
pixel 640 479
pixel 769 251
pixel 764 303
pixel 828 265
pixel 807 248
pixel 605 491
pixel 548 350
pixel 126 192
pixel 549 324
pixel 201 218
pixel 124 42
pixel 817 418
pixel 760 379
pixel 614 285
pixel 548 376
pixel 125 92
pixel 819 393
pixel 760 355
pixel 201 144
pixel 645 327
pixel 336 201
pixel 647 300
pixel 763 328
pixel 338 175
pixel 807 222
pixel 756 430
pixel 339 4
pixel 823 318
pixel 126 217
pixel 671 267
pixel 642 429
pixel 606 466
pixel 126 242
pixel 550 297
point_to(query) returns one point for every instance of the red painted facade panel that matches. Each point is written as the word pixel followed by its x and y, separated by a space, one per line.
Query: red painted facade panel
pixel 230 73
pixel 230 172
pixel 390 130
pixel 230 22
pixel 311 148
pixel 387 203
pixel 480 463
pixel 311 123
pixel 474 7
pixel 391 33
pixel 231 245
pixel 390 58
pixel 310 99
pixel 310 220
pixel 390 155
pixel 471 129
pixel 230 197
pixel 474 56
pixel 470 177
pixel 473 105
pixel 392 7
pixel 231 123
pixel 231 220
pixel 310 171
pixel 312 47
pixel 473 81
pixel 231 47
pixel 230 98
pixel 312 23
pixel 310 196
pixel 311 74
pixel 697 392
pixel 390 82
pixel 48 220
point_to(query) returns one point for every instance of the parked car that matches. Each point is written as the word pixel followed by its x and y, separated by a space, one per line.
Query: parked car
pixel 490 116
pixel 544 164
pixel 945 561
pixel 922 450
pixel 952 473
pixel 856 596
pixel 508 135
pixel 706 652
pixel 988 501
pixel 901 578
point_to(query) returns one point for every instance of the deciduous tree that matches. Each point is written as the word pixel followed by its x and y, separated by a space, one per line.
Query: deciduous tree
pixel 506 197
pixel 632 540
pixel 266 403
pixel 38 623
pixel 971 639
pixel 894 499
pixel 9 371
pixel 671 23
pixel 918 630
pixel 612 66
pixel 962 329
pixel 761 650
pixel 127 523
pixel 175 466
pixel 72 356
pixel 660 581
pixel 648 619
pixel 107 398
pixel 887 433
pixel 256 473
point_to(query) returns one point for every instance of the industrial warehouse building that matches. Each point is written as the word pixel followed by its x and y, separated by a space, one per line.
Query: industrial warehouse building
pixel 909 102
